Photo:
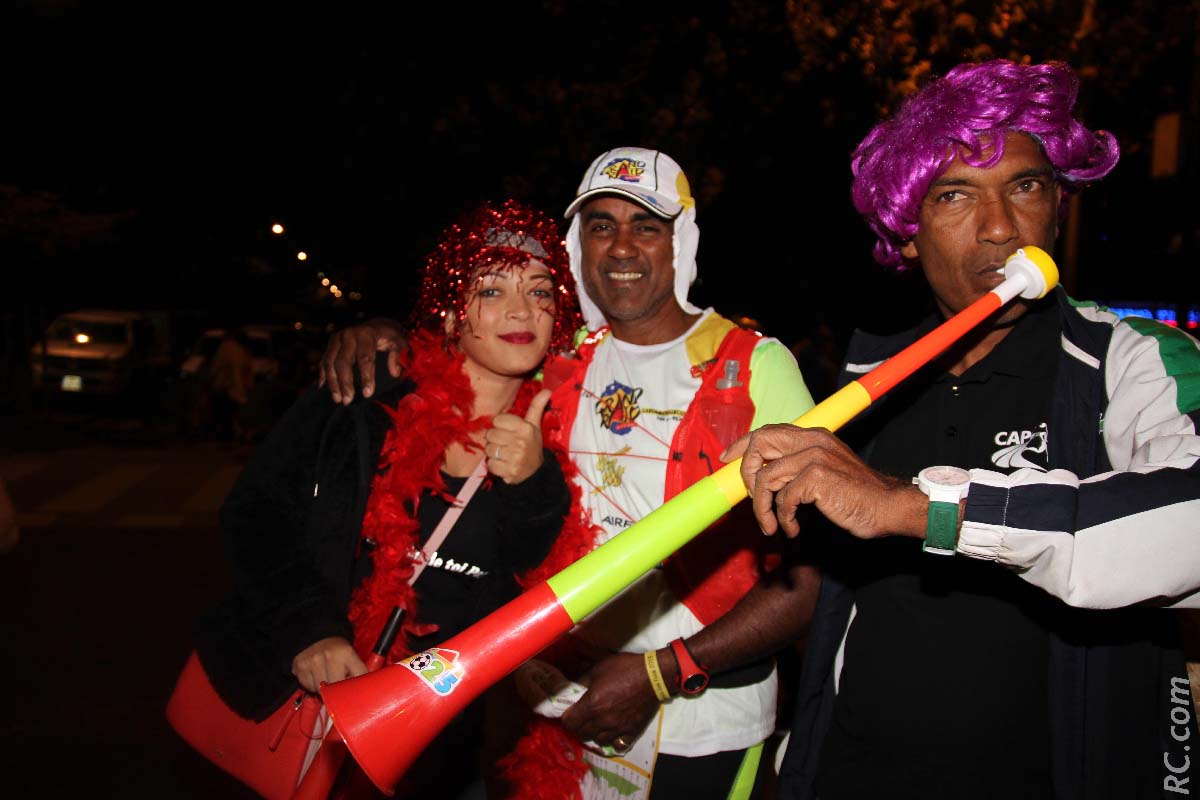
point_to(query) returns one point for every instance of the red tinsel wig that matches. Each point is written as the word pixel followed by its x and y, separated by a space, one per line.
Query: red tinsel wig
pixel 508 235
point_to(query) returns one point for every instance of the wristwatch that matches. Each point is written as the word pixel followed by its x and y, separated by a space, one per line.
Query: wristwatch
pixel 946 487
pixel 693 678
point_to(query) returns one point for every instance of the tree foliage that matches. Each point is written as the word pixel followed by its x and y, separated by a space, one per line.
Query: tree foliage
pixel 895 46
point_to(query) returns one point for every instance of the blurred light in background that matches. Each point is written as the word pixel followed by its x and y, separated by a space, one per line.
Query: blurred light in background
pixel 302 256
pixel 1166 313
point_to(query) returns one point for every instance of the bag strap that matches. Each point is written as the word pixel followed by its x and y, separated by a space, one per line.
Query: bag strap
pixel 448 519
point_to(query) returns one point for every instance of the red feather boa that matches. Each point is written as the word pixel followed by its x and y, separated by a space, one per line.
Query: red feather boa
pixel 548 762
pixel 424 424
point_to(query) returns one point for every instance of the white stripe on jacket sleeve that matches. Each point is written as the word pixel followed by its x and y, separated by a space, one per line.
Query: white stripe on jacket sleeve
pixel 1123 537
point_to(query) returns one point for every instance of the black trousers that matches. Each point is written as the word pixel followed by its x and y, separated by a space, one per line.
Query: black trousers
pixel 701 778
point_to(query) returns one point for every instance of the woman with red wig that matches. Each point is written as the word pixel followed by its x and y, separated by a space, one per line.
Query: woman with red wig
pixel 326 524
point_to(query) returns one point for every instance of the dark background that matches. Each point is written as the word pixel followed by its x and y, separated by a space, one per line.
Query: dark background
pixel 147 147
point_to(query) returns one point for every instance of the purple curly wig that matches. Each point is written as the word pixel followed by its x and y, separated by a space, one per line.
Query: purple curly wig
pixel 973 106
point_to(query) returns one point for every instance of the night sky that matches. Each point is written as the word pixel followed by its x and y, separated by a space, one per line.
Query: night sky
pixel 147 147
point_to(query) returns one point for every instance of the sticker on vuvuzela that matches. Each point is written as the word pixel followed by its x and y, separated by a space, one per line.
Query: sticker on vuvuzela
pixel 437 669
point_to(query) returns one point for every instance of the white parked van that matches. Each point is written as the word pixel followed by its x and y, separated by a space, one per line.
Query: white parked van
pixel 101 351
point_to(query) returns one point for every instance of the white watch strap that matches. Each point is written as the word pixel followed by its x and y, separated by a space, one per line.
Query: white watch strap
pixel 941 494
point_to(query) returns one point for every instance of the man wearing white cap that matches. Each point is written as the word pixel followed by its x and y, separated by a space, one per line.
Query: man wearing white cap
pixel 643 427
pixel 659 388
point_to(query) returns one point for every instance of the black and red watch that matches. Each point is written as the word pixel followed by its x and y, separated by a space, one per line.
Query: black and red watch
pixel 693 677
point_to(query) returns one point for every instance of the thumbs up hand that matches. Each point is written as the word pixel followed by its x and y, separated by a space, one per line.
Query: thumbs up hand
pixel 513 445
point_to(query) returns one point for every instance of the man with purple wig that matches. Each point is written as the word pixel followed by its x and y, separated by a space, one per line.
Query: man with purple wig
pixel 1044 468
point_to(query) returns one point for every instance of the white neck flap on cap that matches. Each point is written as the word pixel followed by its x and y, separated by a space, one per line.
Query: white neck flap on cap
pixel 685 243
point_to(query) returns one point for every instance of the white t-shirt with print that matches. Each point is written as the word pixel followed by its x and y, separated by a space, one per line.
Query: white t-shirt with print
pixel 633 399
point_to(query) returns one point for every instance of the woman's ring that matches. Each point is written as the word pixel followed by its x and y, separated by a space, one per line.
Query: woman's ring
pixel 496 453
pixel 620 743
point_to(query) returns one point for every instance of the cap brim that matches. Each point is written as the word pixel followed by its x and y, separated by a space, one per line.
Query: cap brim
pixel 654 203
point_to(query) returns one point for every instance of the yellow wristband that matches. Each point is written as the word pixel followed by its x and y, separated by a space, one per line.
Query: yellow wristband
pixel 656 679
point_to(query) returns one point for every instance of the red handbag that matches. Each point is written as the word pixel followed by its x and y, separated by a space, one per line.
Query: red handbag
pixel 269 756
pixel 272 756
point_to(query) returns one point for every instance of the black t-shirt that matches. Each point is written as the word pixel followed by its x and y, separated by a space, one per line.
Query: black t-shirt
pixel 503 530
pixel 944 691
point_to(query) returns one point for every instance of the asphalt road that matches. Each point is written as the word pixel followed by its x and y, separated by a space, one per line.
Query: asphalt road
pixel 119 552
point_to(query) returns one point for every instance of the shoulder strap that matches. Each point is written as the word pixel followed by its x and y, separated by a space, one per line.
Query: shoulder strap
pixel 448 519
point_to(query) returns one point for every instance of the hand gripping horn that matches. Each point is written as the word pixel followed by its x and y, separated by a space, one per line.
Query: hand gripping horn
pixel 388 717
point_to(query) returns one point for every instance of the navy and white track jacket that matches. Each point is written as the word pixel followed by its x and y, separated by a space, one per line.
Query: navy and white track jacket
pixel 1115 522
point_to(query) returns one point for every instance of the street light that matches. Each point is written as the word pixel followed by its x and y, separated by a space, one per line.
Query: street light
pixel 277 229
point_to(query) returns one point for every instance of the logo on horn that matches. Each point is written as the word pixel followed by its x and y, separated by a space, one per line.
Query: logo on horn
pixel 436 668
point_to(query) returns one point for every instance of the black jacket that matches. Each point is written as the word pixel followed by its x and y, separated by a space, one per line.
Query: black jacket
pixel 291 526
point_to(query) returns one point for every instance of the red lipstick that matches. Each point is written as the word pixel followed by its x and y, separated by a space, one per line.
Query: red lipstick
pixel 518 338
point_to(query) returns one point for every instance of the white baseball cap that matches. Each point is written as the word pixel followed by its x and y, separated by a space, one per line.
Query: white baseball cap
pixel 654 181
pixel 650 178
